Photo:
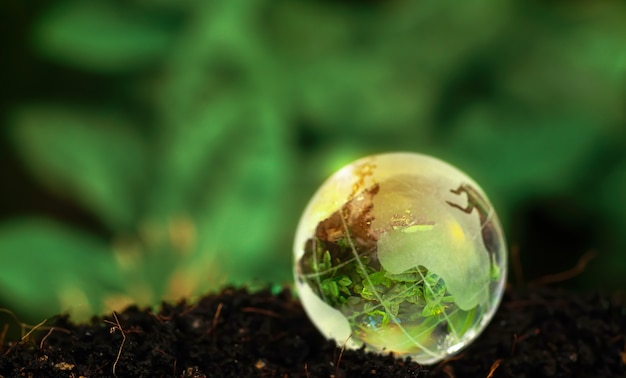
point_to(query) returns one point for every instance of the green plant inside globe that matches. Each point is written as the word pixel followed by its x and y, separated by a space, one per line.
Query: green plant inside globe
pixel 401 253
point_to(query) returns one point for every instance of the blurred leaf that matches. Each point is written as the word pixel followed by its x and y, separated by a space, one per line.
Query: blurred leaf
pixel 47 268
pixel 344 96
pixel 373 75
pixel 241 211
pixel 189 162
pixel 569 84
pixel 101 36
pixel 205 93
pixel 93 158
pixel 222 156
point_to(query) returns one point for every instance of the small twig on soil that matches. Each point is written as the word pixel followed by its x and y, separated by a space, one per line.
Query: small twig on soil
pixel 3 334
pixel 343 348
pixel 261 311
pixel 448 370
pixel 566 275
pixel 43 340
pixel 189 309
pixel 23 326
pixel 514 343
pixel 216 318
pixel 442 365
pixel 33 329
pixel 117 327
pixel 494 367
pixel 518 339
pixel 217 315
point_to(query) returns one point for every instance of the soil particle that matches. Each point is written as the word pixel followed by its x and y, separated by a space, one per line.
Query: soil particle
pixel 536 333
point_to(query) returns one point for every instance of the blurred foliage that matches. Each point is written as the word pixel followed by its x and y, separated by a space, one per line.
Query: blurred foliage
pixel 178 141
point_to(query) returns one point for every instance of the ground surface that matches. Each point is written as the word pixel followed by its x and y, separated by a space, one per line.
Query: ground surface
pixel 536 333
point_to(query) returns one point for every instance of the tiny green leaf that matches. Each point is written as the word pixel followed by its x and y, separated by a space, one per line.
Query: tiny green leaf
pixel 380 278
pixel 345 281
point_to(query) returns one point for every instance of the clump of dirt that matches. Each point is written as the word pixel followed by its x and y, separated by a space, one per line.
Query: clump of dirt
pixel 536 333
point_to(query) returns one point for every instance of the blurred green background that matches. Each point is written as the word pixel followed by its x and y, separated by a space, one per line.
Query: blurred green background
pixel 161 149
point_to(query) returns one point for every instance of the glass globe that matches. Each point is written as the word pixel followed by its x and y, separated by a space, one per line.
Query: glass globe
pixel 402 253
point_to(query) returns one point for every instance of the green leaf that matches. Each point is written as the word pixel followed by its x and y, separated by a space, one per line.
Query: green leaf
pixel 92 158
pixel 380 278
pixel 239 196
pixel 100 35
pixel 47 268
pixel 431 309
pixel 411 275
pixel 326 262
pixel 344 281
pixel 222 138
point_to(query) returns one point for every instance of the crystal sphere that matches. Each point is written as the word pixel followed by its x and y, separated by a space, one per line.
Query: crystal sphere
pixel 402 253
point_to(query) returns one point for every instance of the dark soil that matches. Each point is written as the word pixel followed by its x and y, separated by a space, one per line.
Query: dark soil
pixel 536 333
